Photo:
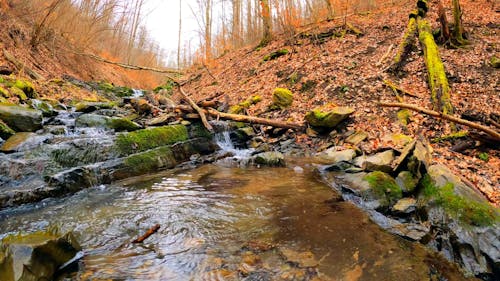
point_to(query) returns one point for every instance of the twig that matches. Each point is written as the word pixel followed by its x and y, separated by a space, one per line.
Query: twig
pixel 146 235
pixel 397 89
pixel 379 63
pixel 453 119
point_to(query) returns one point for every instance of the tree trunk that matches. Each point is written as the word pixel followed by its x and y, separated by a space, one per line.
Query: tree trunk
pixel 458 30
pixel 179 37
pixel 445 29
pixel 208 30
pixel 406 43
pixel 438 82
pixel 266 20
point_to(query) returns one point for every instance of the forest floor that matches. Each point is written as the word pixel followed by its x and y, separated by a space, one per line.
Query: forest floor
pixel 350 70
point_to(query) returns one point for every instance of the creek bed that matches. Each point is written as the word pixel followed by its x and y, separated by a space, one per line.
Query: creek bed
pixel 227 223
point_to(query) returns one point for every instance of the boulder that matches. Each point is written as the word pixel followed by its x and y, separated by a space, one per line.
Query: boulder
pixel 115 123
pixel 377 162
pixel 441 175
pixel 45 107
pixel 282 98
pixel 87 107
pixel 406 181
pixel 21 119
pixel 22 141
pixel 328 119
pixel 333 155
pixel 405 206
pixel 270 158
pixel 26 87
pixel 35 256
pixel 5 131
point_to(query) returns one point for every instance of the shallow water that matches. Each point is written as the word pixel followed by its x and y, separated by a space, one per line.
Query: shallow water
pixel 209 215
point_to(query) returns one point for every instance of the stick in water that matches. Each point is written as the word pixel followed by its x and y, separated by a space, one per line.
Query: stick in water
pixel 150 232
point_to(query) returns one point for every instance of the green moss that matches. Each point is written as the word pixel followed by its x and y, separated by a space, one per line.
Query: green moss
pixel 16 92
pixel 466 210
pixel 438 82
pixel 168 86
pixel 484 156
pixel 146 139
pixel 239 108
pixel 384 186
pixel 404 116
pixel 26 87
pixel 4 93
pixel 122 124
pixel 5 131
pixel 106 86
pixel 275 55
pixel 149 161
pixel 495 62
pixel 457 135
pixel 282 98
pixel 328 119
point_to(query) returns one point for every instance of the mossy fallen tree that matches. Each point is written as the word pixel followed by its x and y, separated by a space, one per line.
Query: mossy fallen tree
pixel 406 42
pixel 438 82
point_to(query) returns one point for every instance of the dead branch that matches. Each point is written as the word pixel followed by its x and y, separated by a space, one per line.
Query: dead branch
pixel 379 63
pixel 453 119
pixel 197 108
pixel 398 89
pixel 146 235
pixel 129 66
pixel 254 120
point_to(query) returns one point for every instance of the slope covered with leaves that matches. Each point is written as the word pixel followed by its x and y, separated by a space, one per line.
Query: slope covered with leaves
pixel 350 70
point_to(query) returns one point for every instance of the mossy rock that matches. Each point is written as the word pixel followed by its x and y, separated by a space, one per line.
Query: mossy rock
pixel 384 187
pixel 4 92
pixel 118 124
pixel 328 119
pixel 495 62
pixel 21 119
pixel 87 107
pixel 275 54
pixel 149 138
pixel 282 98
pixel 26 87
pixel 404 116
pixel 16 92
pixel 239 108
pixel 406 181
pixel 35 256
pixel 270 158
pixel 5 131
pixel 45 107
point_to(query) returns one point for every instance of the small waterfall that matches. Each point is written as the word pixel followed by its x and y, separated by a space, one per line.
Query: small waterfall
pixel 223 139
pixel 137 93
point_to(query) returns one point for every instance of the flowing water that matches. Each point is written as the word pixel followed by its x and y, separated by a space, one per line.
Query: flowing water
pixel 226 223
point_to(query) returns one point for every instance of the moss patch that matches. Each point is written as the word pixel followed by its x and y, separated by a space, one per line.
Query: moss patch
pixel 26 87
pixel 466 210
pixel 282 98
pixel 495 62
pixel 275 55
pixel 142 140
pixel 328 119
pixel 149 161
pixel 384 186
pixel 404 116
pixel 5 131
pixel 239 108
pixel 457 135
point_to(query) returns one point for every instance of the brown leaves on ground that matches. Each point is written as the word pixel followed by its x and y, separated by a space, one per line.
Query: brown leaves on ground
pixel 344 71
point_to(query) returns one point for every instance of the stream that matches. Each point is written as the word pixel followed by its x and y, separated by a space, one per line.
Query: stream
pixel 220 222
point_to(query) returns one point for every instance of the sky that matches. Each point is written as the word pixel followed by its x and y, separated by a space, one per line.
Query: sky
pixel 162 21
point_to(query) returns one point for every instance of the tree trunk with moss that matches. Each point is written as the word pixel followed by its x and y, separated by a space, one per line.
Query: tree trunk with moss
pixel 406 43
pixel 458 30
pixel 438 82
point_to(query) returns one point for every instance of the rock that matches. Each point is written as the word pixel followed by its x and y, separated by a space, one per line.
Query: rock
pixel 377 188
pixel 404 155
pixel 87 107
pixel 495 62
pixel 377 162
pixel 22 141
pixel 16 92
pixel 26 87
pixel 301 259
pixel 35 256
pixel 405 205
pixel 328 119
pixel 423 153
pixel 142 106
pixel 333 155
pixel 21 119
pixel 45 107
pixel 356 138
pixel 5 131
pixel 161 120
pixel 406 181
pixel 441 175
pixel 270 158
pixel 282 98
pixel 115 123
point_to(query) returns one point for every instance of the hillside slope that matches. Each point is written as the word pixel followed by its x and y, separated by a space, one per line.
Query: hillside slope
pixel 349 71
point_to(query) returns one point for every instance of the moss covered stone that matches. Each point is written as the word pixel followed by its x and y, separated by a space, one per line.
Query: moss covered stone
pixel 21 119
pixel 16 92
pixel 4 92
pixel 404 116
pixel 146 139
pixel 328 119
pixel 118 124
pixel 93 106
pixel 282 98
pixel 495 62
pixel 466 210
pixel 239 108
pixel 5 131
pixel 275 55
pixel 384 187
pixel 26 87
pixel 149 161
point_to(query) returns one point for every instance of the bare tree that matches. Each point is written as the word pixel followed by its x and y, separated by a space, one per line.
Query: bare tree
pixel 267 22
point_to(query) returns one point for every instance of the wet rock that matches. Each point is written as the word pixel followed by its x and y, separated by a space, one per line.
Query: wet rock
pixel 35 256
pixel 115 123
pixel 5 131
pixel 22 142
pixel 21 119
pixel 356 138
pixel 406 181
pixel 377 162
pixel 45 107
pixel 333 155
pixel 301 259
pixel 405 205
pixel 161 120
pixel 328 119
pixel 87 107
pixel 270 158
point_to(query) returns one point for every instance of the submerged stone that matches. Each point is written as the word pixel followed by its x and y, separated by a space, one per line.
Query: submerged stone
pixel 328 119
pixel 22 141
pixel 270 158
pixel 21 119
pixel 35 256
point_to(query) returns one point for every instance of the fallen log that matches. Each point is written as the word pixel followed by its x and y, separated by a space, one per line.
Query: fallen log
pixel 406 43
pixel 254 120
pixel 146 235
pixel 197 108
pixel 453 119
pixel 438 82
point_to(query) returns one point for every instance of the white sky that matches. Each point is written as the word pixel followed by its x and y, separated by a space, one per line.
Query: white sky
pixel 162 21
